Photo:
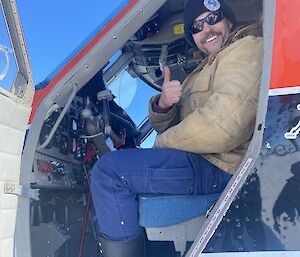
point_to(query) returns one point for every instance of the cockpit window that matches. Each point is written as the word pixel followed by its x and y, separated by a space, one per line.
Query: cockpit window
pixel 8 64
pixel 130 95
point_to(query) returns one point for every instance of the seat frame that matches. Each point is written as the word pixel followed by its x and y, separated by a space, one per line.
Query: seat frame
pixel 180 233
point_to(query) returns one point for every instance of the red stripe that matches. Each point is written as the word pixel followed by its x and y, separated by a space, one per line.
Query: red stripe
pixel 40 94
pixel 286 50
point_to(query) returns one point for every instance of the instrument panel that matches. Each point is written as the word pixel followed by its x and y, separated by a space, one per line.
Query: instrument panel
pixel 55 173
pixel 59 164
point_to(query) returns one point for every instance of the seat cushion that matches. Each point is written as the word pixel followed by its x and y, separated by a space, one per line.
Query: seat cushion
pixel 167 210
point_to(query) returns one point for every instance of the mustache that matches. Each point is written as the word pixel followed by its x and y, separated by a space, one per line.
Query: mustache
pixel 210 34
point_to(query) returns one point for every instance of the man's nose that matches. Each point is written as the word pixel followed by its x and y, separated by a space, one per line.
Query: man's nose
pixel 206 27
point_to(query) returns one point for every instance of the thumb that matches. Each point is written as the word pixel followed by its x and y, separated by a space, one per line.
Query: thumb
pixel 167 74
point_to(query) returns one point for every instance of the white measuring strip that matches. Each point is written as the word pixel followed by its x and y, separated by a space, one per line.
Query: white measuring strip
pixel 221 207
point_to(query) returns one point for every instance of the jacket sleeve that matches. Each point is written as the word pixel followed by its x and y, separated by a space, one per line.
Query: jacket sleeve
pixel 227 119
pixel 162 121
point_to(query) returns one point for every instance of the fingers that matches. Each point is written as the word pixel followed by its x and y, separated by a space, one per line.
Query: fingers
pixel 171 90
pixel 175 84
pixel 167 74
pixel 167 78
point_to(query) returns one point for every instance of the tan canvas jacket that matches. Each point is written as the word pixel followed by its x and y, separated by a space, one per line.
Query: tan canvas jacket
pixel 216 114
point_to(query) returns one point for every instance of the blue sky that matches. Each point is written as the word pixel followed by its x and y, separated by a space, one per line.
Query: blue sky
pixel 54 28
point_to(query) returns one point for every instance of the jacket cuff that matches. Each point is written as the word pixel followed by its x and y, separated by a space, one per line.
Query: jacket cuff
pixel 156 108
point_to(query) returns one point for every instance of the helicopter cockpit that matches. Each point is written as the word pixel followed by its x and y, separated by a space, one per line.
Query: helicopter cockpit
pixel 95 104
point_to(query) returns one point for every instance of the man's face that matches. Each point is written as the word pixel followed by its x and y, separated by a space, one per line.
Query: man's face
pixel 212 37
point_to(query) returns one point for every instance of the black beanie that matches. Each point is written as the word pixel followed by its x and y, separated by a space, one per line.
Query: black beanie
pixel 193 8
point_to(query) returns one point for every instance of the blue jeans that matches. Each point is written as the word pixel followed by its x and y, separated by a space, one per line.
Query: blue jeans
pixel 118 177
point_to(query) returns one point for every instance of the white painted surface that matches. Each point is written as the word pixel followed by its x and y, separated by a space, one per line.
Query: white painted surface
pixel 13 121
pixel 284 91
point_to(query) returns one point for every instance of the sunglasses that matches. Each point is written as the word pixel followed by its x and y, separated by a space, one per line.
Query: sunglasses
pixel 211 19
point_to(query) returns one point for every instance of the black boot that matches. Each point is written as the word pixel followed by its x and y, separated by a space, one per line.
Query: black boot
pixel 135 247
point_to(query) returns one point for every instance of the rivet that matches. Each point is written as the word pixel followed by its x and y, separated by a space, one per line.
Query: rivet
pixel 122 223
pixel 259 128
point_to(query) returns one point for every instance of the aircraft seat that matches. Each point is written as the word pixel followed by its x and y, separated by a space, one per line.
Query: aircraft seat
pixel 176 218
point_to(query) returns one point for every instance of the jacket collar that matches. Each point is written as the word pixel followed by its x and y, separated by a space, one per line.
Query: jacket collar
pixel 252 30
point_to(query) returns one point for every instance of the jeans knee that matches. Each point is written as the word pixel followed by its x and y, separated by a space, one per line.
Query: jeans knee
pixel 103 170
pixel 102 164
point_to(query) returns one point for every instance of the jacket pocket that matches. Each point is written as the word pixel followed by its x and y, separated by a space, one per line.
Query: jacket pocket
pixel 197 82
pixel 200 91
pixel 201 83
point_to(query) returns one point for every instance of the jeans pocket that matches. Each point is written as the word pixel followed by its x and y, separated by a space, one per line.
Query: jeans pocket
pixel 171 181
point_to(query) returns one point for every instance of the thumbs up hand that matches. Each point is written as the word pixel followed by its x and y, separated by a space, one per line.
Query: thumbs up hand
pixel 171 90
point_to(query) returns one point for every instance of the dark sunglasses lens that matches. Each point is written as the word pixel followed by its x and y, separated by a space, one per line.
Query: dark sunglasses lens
pixel 214 18
pixel 211 19
pixel 197 26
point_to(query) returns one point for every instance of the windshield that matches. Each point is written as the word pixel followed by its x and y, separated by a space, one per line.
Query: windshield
pixel 132 95
pixel 8 64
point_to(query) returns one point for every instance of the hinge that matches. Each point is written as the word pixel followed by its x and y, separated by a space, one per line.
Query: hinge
pixel 22 191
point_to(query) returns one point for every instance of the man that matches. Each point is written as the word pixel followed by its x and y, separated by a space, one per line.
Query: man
pixel 204 127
